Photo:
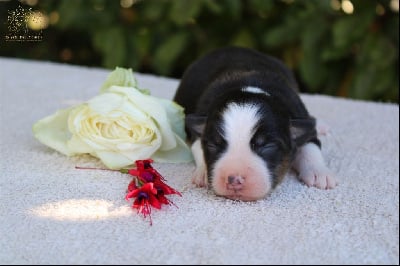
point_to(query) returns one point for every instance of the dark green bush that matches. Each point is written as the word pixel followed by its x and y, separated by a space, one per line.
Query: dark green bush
pixel 350 55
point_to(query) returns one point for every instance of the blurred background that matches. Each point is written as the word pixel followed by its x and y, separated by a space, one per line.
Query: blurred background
pixel 346 48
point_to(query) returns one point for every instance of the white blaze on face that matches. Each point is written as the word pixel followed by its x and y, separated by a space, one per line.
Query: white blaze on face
pixel 255 90
pixel 239 160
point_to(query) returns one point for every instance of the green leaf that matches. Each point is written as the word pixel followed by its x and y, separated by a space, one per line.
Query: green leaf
pixel 69 12
pixel 349 29
pixel 88 15
pixel 153 10
pixel 111 43
pixel 261 5
pixel 377 50
pixel 330 53
pixel 312 69
pixel 168 51
pixel 284 33
pixel 375 71
pixel 213 6
pixel 182 11
pixel 243 38
pixel 233 8
pixel 138 47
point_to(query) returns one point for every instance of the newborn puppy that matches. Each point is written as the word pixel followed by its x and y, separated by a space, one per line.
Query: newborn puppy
pixel 247 125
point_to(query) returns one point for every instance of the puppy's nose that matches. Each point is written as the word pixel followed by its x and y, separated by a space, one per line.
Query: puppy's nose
pixel 232 179
pixel 235 182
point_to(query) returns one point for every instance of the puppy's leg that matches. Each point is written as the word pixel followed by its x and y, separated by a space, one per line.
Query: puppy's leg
pixel 311 167
pixel 200 174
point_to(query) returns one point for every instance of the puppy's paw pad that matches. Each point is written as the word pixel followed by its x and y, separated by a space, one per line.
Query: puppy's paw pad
pixel 320 179
pixel 199 178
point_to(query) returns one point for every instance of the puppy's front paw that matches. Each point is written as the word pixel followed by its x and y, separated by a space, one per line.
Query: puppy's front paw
pixel 200 177
pixel 319 178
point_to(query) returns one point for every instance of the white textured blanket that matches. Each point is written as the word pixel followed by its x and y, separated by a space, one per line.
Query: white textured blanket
pixel 52 213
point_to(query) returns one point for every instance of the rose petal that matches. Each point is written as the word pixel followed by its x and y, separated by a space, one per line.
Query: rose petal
pixel 180 154
pixel 53 131
pixel 123 158
pixel 120 77
pixel 176 116
pixel 113 160
pixel 149 105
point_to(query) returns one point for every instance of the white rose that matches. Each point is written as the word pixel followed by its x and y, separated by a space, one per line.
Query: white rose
pixel 118 126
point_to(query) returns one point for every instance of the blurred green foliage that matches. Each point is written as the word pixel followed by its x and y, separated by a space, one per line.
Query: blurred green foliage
pixel 331 52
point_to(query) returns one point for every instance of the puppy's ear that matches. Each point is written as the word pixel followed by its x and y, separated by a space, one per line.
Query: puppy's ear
pixel 195 124
pixel 302 130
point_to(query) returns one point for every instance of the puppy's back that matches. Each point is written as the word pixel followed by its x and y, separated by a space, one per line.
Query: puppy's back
pixel 230 66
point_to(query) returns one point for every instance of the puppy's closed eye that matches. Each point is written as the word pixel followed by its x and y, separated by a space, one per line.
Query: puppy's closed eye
pixel 261 143
pixel 217 143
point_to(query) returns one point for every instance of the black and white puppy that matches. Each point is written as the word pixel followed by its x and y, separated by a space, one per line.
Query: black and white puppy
pixel 247 125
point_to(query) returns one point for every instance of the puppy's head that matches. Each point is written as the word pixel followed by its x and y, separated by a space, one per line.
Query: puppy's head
pixel 248 143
